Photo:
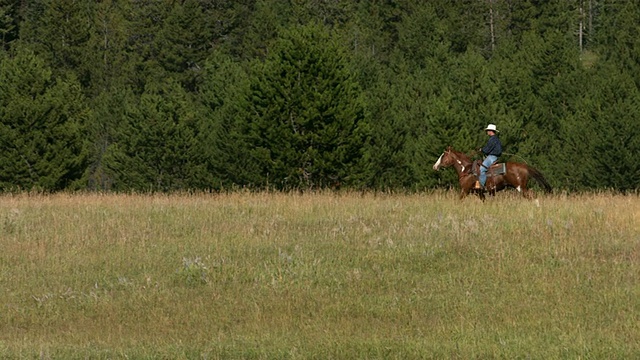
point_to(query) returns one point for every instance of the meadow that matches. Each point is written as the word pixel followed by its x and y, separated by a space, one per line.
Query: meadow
pixel 319 276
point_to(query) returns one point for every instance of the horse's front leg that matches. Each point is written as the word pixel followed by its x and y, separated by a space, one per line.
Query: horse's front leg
pixel 465 189
pixel 463 193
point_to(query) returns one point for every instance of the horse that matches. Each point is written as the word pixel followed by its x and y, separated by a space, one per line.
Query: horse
pixel 516 175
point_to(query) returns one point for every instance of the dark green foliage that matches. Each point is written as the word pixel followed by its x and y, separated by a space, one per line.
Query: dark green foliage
pixel 103 129
pixel 615 139
pixel 59 31
pixel 619 41
pixel 9 21
pixel 155 147
pixel 387 153
pixel 306 121
pixel 223 91
pixel 108 66
pixel 41 127
pixel 195 94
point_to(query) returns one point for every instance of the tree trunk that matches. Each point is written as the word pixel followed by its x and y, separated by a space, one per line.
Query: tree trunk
pixel 491 27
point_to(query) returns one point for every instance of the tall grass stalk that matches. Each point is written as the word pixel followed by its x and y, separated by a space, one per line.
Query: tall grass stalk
pixel 319 276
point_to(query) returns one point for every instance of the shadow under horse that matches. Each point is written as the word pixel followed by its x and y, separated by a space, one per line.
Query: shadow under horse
pixel 513 174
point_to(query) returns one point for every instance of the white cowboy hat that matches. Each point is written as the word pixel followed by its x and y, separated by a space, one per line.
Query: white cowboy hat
pixel 491 127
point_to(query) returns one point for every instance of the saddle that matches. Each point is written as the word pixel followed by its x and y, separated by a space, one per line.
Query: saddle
pixel 494 170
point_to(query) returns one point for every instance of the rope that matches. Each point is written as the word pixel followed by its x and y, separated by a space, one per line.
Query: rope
pixel 476 152
pixel 509 154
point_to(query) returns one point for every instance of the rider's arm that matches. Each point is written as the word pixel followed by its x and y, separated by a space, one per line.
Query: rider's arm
pixel 486 150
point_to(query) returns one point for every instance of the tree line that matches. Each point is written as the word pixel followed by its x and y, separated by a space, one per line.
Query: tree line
pixel 166 95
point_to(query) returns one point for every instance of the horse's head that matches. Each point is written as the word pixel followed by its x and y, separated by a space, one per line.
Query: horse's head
pixel 446 159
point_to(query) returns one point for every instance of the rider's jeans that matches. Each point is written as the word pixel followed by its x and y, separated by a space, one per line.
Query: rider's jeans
pixel 488 161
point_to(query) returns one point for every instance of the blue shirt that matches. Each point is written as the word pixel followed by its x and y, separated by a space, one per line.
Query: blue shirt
pixel 493 147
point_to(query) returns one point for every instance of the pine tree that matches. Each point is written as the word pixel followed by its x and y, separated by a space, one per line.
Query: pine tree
pixel 175 38
pixel 109 63
pixel 155 148
pixel 551 62
pixel 224 91
pixel 306 126
pixel 42 126
pixel 59 31
pixel 8 23
pixel 387 157
pixel 619 39
pixel 616 139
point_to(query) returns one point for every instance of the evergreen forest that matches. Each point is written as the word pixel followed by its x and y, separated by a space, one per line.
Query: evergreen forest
pixel 216 95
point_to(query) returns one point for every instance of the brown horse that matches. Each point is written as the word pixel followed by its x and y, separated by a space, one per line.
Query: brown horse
pixel 516 175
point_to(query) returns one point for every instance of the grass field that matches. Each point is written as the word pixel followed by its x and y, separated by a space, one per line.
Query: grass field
pixel 341 276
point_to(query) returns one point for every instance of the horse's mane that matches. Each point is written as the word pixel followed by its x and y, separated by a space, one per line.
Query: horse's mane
pixel 461 156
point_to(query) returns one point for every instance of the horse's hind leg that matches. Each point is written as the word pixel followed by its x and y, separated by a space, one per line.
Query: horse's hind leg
pixel 527 193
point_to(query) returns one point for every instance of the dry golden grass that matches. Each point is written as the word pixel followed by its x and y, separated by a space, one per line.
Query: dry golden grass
pixel 319 276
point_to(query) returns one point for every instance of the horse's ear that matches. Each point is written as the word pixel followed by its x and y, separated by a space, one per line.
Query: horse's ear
pixel 449 148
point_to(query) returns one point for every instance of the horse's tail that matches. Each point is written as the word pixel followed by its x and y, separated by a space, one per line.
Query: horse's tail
pixel 539 178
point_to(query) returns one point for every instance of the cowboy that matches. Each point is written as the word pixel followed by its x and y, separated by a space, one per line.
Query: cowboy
pixel 492 150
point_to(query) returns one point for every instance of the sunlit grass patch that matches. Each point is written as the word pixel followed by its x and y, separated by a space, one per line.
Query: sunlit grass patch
pixel 319 276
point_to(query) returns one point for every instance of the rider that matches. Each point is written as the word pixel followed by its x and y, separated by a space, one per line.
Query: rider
pixel 492 150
